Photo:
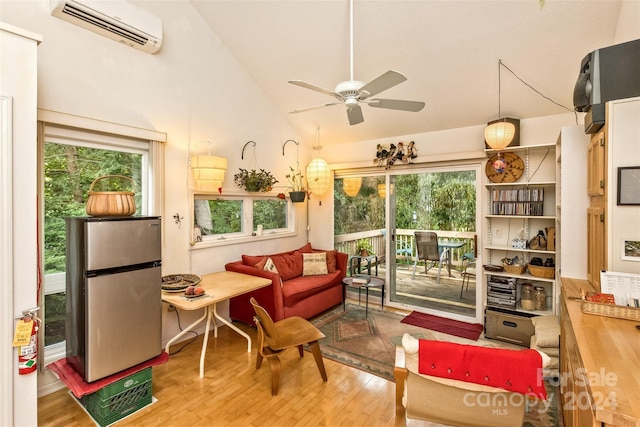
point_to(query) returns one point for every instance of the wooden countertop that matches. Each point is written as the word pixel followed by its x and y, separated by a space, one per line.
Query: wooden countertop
pixel 610 353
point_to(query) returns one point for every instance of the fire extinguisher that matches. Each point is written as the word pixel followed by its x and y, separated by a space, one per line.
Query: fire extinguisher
pixel 28 354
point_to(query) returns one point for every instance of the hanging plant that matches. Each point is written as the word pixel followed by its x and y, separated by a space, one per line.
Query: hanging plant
pixel 297 189
pixel 254 181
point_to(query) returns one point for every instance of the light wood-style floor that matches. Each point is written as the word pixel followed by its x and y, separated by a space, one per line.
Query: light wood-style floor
pixel 233 393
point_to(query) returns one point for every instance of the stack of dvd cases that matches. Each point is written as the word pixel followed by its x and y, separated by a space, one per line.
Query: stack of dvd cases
pixel 502 292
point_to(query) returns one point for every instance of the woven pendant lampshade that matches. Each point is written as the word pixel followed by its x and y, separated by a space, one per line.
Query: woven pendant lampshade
pixel 351 186
pixel 208 172
pixel 499 134
pixel 318 176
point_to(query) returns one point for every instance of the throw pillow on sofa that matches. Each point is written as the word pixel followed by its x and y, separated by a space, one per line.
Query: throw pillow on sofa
pixel 314 264
pixel 267 265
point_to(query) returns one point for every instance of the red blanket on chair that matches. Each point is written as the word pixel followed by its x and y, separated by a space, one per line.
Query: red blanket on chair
pixel 519 371
pixel 79 387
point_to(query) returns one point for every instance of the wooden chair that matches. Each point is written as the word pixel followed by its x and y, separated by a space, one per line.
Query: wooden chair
pixel 275 337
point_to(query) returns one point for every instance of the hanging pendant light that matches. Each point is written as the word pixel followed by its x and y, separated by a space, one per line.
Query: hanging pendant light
pixel 318 173
pixel 499 133
pixel 208 171
pixel 382 190
pixel 351 185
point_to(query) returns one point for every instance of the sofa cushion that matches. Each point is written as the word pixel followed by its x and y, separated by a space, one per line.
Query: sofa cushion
pixel 303 287
pixel 332 260
pixel 314 264
pixel 289 265
pixel 253 260
pixel 547 331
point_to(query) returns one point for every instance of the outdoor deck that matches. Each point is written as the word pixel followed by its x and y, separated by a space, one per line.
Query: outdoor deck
pixel 423 291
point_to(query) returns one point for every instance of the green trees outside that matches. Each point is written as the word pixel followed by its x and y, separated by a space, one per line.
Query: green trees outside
pixel 69 171
pixel 425 201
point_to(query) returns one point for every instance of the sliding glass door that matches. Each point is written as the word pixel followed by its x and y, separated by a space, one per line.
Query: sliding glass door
pixel 392 211
pixel 433 226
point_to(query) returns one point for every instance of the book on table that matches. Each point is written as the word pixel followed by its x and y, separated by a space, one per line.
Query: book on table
pixel 361 279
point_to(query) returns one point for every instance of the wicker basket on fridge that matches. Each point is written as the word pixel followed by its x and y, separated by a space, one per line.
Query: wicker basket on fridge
pixel 110 203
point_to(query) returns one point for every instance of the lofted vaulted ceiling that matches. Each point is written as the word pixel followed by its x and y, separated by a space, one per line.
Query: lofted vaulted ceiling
pixel 447 49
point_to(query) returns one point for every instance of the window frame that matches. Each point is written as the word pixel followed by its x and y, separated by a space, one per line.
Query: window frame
pixel 67 129
pixel 216 240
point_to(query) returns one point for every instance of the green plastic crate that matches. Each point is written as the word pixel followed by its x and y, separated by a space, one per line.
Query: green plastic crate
pixel 117 400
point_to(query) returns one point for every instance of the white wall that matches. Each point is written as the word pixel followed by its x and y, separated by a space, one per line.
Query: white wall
pixel 629 22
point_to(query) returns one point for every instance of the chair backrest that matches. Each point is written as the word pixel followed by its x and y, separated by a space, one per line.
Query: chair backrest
pixel 427 244
pixel 267 324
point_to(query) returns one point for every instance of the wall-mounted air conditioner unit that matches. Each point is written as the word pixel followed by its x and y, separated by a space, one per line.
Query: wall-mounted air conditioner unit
pixel 116 19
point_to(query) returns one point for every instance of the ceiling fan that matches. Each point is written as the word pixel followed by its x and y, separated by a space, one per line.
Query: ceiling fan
pixel 352 92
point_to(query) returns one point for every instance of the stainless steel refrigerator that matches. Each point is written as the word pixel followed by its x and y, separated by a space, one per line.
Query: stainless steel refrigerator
pixel 113 300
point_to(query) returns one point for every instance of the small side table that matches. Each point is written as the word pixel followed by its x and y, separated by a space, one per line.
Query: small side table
pixel 375 282
pixel 353 269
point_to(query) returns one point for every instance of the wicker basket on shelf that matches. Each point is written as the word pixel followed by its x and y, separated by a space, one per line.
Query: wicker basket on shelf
pixel 514 269
pixel 544 272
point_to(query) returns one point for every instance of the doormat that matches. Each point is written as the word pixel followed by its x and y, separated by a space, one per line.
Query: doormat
pixel 456 328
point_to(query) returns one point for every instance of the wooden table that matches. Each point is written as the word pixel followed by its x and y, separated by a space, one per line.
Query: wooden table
pixel 218 287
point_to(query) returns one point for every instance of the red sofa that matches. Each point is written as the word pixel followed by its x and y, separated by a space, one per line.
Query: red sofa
pixel 291 293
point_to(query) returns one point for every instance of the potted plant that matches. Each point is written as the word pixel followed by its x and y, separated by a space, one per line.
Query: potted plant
pixel 297 190
pixel 364 248
pixel 254 181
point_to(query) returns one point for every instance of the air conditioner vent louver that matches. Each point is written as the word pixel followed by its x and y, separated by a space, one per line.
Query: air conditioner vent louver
pixel 118 20
pixel 79 14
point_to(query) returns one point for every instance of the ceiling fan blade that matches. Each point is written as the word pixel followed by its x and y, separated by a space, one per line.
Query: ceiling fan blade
pixel 300 110
pixel 397 104
pixel 314 87
pixel 381 83
pixel 355 115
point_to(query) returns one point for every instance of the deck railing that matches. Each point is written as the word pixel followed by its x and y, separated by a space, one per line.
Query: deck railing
pixel 405 245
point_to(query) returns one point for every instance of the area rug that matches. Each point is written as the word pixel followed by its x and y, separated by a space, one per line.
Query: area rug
pixel 364 342
pixel 456 328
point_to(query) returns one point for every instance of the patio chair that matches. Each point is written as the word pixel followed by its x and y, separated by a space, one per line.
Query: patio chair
pixel 429 251
pixel 275 337
pixel 469 270
pixel 469 265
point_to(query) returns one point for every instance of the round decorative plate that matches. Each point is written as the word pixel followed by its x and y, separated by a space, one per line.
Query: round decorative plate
pixel 177 282
pixel 504 168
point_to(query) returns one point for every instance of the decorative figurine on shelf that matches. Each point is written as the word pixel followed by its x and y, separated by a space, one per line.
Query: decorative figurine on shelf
pixel 388 155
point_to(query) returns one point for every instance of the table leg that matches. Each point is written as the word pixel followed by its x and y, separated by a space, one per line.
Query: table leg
pixel 232 326
pixel 366 304
pixel 382 301
pixel 344 297
pixel 184 331
pixel 206 339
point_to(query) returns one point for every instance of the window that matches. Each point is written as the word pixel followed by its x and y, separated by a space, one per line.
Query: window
pixel 72 160
pixel 220 219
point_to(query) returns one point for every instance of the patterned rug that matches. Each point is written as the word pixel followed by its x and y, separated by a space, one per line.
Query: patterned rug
pixel 368 343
